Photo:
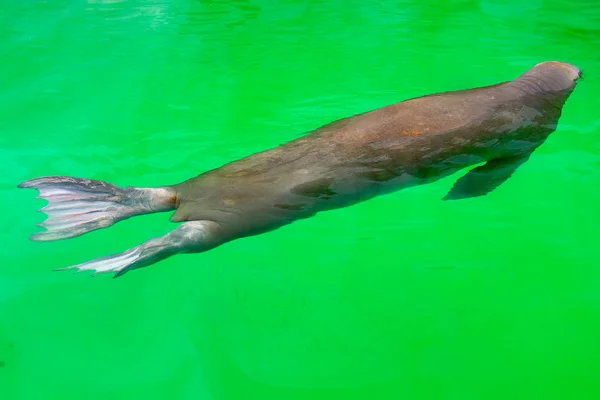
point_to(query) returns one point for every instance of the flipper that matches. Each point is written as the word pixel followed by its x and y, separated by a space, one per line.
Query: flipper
pixel 77 206
pixel 485 178
pixel 193 236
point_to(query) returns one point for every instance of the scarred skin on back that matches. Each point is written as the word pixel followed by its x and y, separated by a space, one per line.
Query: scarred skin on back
pixel 351 160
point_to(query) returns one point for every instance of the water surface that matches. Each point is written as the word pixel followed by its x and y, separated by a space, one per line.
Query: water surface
pixel 404 296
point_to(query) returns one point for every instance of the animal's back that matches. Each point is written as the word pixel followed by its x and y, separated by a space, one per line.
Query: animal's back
pixel 347 161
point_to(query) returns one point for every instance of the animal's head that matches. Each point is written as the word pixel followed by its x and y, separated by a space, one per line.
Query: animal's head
pixel 552 77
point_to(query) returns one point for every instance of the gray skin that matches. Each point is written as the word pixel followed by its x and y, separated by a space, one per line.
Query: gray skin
pixel 348 161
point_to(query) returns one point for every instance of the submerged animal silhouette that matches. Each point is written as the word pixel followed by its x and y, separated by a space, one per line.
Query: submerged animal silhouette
pixel 345 162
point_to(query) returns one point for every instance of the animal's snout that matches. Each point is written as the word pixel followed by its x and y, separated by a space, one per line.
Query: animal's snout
pixel 571 70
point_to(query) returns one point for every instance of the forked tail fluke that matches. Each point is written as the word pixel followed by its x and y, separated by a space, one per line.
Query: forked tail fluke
pixel 77 206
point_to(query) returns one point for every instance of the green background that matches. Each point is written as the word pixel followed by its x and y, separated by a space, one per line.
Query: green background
pixel 401 297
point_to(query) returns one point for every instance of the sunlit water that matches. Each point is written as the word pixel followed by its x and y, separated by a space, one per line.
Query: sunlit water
pixel 402 297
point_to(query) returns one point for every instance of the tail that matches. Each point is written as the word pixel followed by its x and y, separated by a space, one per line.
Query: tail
pixel 77 206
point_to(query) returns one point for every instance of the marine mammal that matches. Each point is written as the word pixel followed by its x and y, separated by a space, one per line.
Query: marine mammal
pixel 412 142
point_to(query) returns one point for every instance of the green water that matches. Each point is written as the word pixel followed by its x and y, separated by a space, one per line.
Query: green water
pixel 401 297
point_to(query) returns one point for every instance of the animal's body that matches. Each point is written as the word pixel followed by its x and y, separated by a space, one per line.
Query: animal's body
pixel 351 160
